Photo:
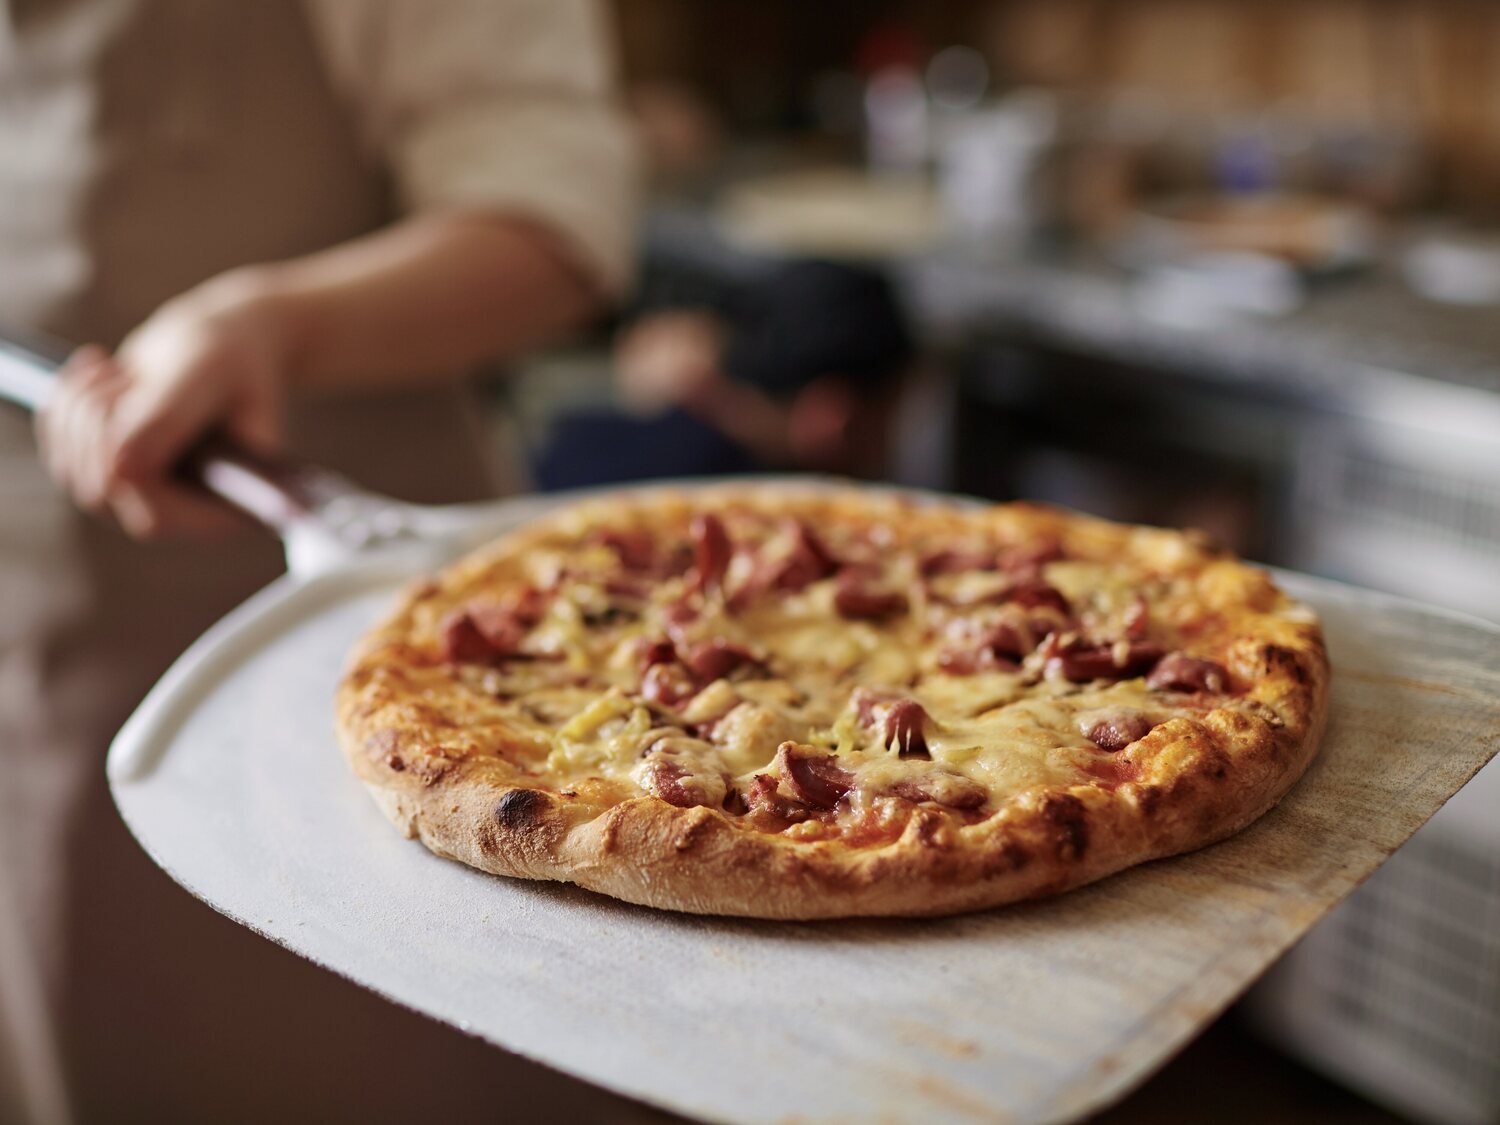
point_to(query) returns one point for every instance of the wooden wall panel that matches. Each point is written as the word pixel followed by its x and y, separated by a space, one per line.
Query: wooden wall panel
pixel 1426 69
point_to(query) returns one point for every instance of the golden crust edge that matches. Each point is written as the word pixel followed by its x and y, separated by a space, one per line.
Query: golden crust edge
pixel 717 868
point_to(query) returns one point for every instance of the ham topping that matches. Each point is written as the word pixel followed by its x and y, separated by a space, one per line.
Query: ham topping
pixel 802 560
pixel 674 671
pixel 1137 619
pixel 1181 672
pixel 1079 660
pixel 711 551
pixel 464 642
pixel 715 659
pixel 1036 594
pixel 817 779
pixel 904 728
pixel 942 787
pixel 1020 562
pixel 664 779
pixel 866 700
pixel 903 723
pixel 807 562
pixel 855 598
pixel 957 562
pixel 487 634
pixel 676 619
pixel 980 646
pixel 527 605
pixel 681 771
pixel 668 685
pixel 658 651
pixel 636 549
pixel 958 662
pixel 1116 731
pixel 764 803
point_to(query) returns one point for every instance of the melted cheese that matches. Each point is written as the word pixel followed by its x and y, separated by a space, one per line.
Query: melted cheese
pixel 604 737
pixel 999 729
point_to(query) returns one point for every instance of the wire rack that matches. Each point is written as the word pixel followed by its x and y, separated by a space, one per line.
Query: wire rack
pixel 1397 993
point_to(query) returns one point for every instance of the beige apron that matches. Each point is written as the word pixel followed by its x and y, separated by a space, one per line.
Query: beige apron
pixel 146 145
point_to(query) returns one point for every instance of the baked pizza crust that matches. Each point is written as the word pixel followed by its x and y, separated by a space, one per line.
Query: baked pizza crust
pixel 1189 782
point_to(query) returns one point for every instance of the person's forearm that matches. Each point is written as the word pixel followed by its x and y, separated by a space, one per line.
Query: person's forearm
pixel 744 415
pixel 425 299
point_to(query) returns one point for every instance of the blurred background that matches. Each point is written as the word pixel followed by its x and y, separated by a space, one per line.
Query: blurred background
pixel 1208 262
pixel 1232 264
pixel 1228 264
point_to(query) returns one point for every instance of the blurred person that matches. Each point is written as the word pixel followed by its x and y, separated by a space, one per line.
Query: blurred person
pixel 248 210
pixel 795 369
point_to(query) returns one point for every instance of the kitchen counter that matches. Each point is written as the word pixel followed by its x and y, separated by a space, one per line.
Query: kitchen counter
pixel 1362 344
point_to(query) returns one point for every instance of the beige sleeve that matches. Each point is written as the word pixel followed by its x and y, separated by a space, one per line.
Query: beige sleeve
pixel 497 104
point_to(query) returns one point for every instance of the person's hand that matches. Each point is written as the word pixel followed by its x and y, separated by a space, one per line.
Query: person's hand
pixel 820 425
pixel 214 359
pixel 668 359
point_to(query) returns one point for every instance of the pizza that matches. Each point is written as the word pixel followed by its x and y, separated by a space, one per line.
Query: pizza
pixel 789 702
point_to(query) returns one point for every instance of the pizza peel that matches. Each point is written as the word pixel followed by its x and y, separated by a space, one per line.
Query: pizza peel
pixel 229 776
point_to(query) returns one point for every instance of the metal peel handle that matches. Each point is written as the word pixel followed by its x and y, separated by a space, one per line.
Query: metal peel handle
pixel 27 377
pixel 276 494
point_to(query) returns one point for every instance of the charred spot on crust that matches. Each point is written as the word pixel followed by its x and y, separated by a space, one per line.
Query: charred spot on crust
pixel 396 762
pixel 1005 856
pixel 1067 814
pixel 1278 658
pixel 1149 798
pixel 520 808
